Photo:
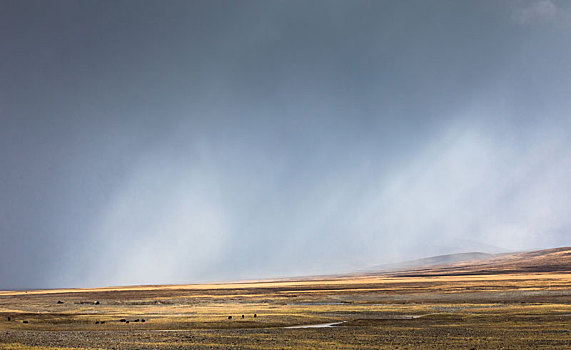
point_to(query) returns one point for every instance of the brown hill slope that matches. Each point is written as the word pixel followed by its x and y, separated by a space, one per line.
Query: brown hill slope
pixel 433 261
pixel 547 260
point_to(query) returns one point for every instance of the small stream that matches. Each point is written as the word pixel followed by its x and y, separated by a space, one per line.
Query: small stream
pixel 319 325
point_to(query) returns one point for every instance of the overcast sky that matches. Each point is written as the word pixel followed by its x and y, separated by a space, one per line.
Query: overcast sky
pixel 185 141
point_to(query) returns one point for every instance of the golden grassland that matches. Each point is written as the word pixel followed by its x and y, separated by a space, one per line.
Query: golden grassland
pixel 512 310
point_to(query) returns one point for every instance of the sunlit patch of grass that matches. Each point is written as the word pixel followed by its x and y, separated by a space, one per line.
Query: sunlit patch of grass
pixel 18 346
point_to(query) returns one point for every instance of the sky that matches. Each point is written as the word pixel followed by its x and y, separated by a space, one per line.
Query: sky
pixel 146 142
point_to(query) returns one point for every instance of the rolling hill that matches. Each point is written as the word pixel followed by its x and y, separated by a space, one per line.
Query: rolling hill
pixel 547 260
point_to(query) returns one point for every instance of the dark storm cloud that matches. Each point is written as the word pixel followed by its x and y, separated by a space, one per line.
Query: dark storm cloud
pixel 161 142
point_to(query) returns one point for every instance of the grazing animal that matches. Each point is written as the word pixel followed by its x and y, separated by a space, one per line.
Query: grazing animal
pixel 126 321
pixel 142 320
pixel 96 302
pixel 255 315
pixel 60 302
pixel 102 322
pixel 96 322
pixel 137 320
pixel 24 321
pixel 9 319
pixel 122 320
pixel 242 316
pixel 229 317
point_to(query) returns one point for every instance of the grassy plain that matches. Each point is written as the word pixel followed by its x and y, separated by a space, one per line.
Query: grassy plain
pixel 527 310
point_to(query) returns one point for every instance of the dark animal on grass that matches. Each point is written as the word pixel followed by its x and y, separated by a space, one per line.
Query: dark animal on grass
pixel 24 321
pixel 142 320
pixel 60 302
pixel 255 315
pixel 96 303
pixel 126 321
pixel 242 316
pixel 229 317
pixel 9 319
pixel 122 320
pixel 96 322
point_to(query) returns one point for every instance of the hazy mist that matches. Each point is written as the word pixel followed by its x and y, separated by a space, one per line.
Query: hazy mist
pixel 185 141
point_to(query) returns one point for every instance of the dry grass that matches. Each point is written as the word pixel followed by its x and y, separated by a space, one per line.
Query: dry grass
pixel 18 346
pixel 525 310
pixel 518 301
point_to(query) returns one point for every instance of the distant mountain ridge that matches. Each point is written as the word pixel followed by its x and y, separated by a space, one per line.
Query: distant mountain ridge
pixel 546 260
pixel 434 260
